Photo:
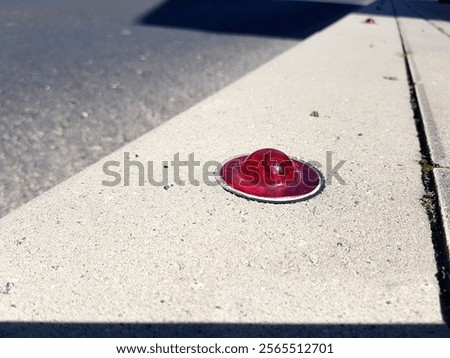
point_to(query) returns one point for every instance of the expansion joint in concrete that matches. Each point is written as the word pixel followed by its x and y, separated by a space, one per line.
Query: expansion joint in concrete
pixel 430 200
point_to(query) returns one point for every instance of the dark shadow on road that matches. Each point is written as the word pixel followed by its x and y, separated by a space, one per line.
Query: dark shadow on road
pixel 205 330
pixel 287 19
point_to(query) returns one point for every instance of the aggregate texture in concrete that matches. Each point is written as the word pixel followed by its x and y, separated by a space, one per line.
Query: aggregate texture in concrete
pixel 442 177
pixel 79 79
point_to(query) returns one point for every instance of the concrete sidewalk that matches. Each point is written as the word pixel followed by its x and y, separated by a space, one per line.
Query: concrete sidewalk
pixel 356 260
pixel 426 33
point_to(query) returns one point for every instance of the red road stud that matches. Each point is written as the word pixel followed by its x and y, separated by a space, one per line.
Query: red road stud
pixel 270 175
pixel 369 21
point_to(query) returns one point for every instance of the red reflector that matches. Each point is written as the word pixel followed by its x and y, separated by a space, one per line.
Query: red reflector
pixel 269 175
pixel 369 21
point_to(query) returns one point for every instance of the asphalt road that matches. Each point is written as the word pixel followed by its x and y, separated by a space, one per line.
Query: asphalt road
pixel 78 79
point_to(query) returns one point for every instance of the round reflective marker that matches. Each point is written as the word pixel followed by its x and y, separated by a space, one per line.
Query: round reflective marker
pixel 269 175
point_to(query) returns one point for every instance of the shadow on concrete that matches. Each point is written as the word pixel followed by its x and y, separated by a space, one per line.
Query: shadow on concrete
pixel 206 330
pixel 287 19
pixel 275 18
pixel 428 10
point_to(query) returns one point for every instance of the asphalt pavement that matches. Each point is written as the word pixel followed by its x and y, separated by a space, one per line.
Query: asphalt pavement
pixel 79 79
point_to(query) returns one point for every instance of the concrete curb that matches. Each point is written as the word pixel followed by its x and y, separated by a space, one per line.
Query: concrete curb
pixel 442 177
pixel 422 39
pixel 358 253
pixel 428 49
